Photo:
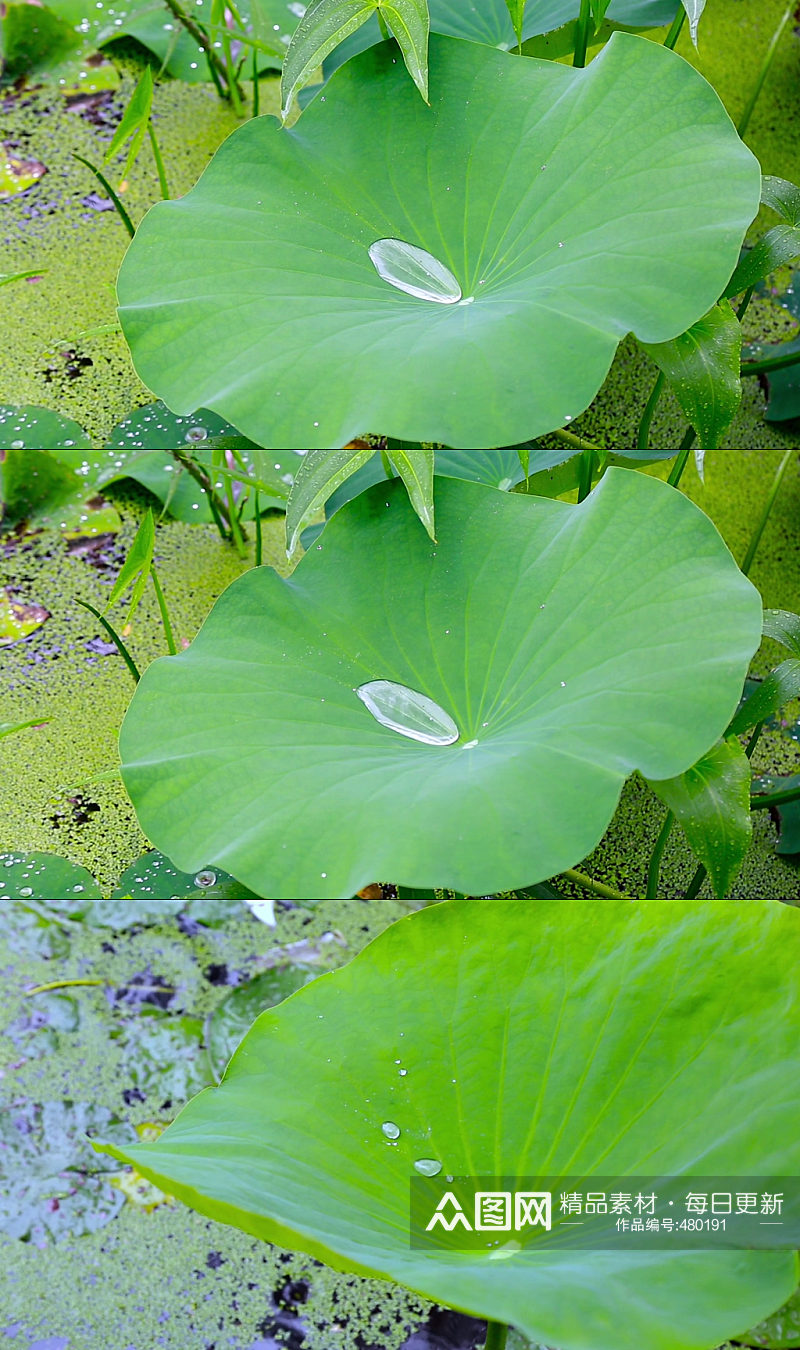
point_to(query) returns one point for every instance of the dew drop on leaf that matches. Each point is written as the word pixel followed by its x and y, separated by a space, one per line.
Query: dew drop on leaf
pixel 391 1130
pixel 428 1167
pixel 414 271
pixel 410 713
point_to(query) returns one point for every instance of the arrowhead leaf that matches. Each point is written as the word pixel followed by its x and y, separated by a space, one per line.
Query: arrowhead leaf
pixel 702 366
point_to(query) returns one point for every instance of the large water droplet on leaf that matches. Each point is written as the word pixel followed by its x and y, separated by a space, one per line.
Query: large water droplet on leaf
pixel 391 1130
pixel 414 271
pixel 428 1167
pixel 404 710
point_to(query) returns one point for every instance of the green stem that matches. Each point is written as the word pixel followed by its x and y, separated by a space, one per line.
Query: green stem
pixel 654 870
pixel 382 26
pixel 643 437
pixel 569 438
pixel 689 438
pixel 203 481
pixel 764 802
pixel 586 470
pixel 230 74
pixel 387 464
pixel 496 1333
pixel 755 737
pixel 582 34
pixel 693 889
pixel 256 87
pixel 745 302
pixel 215 65
pixel 101 178
pixel 160 170
pixel 59 984
pixel 115 638
pixel 676 472
pixel 596 887
pixel 259 531
pixel 770 502
pixel 162 605
pixel 744 120
pixel 771 363
pixel 237 532
pixel 674 32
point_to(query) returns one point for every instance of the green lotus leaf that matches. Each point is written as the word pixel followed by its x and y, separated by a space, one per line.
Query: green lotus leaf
pixel 516 1039
pixel 571 206
pixel 570 646
pixel 44 876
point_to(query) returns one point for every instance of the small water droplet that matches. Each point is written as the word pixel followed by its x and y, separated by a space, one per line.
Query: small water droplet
pixel 428 1167
pixel 469 745
pixel 196 434
pixel 414 271
pixel 410 713
pixel 391 1130
pixel 206 878
pixel 26 890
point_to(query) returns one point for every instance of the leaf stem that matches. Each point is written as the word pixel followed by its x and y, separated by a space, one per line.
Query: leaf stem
pixel 643 436
pixel 654 870
pixel 569 438
pixel 582 34
pixel 58 984
pixel 200 38
pixel 675 28
pixel 744 120
pixel 259 530
pixel 586 470
pixel 115 638
pixel 496 1333
pixel 256 87
pixel 589 884
pixel 765 801
pixel 676 472
pixel 768 505
pixel 771 363
pixel 162 605
pixel 160 170
pixel 103 181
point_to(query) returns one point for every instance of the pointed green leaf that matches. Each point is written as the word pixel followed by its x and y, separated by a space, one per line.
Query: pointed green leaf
pixel 515 1039
pixel 702 366
pixel 559 262
pixel 136 567
pixel 133 123
pixel 784 627
pixel 711 801
pixel 599 8
pixel 409 24
pixel 516 10
pixel 319 475
pixel 780 245
pixel 323 26
pixel 556 699
pixel 776 690
pixel 415 467
pixel 783 197
pixel 694 9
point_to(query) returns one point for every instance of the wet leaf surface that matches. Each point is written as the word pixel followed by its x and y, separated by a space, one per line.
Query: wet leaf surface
pixel 18 619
